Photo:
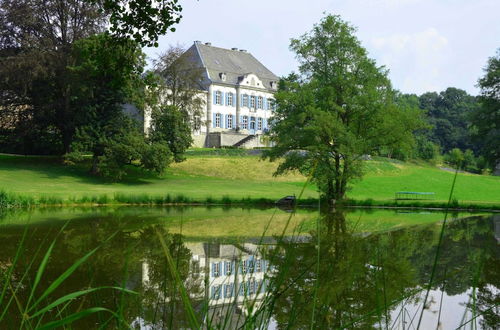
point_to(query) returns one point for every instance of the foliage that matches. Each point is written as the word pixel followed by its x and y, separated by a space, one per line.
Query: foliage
pixel 107 75
pixel 455 157
pixel 447 113
pixel 35 49
pixel 426 149
pixel 340 108
pixel 171 126
pixel 37 100
pixel 486 119
pixel 142 20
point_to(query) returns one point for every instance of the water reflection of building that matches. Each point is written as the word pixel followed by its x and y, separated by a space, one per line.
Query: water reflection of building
pixel 235 278
pixel 232 272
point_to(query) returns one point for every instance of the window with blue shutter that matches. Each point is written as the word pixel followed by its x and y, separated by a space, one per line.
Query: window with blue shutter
pixel 213 120
pixel 234 100
pixel 265 104
pixel 222 98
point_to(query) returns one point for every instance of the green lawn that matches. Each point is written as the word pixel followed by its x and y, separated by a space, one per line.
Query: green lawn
pixel 236 175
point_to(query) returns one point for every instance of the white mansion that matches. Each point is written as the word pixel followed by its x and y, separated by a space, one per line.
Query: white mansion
pixel 239 97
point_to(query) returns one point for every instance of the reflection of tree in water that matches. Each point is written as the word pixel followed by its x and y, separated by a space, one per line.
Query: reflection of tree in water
pixel 360 279
pixel 161 299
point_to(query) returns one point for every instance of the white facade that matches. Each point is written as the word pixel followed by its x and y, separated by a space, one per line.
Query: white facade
pixel 245 109
pixel 239 97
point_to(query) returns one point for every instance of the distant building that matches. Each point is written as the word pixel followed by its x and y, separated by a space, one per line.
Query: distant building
pixel 239 97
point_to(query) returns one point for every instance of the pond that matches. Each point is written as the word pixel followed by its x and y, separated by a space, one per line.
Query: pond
pixel 226 268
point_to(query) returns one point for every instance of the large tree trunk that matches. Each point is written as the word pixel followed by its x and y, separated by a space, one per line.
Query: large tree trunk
pixel 95 161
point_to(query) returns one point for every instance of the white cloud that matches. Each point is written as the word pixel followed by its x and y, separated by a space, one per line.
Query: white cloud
pixel 415 60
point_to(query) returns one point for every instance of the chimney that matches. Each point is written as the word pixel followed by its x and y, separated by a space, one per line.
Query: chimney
pixel 197 42
pixel 243 50
pixel 234 48
pixel 208 43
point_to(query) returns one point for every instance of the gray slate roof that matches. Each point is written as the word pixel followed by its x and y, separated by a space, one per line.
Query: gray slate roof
pixel 234 63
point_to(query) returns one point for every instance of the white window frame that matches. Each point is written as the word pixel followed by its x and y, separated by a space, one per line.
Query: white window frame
pixel 218 120
pixel 259 123
pixel 228 268
pixel 244 123
pixel 258 266
pixel 216 269
pixel 244 268
pixel 229 99
pixel 252 102
pixel 218 97
pixel 245 100
pixel 217 292
pixel 260 102
pixel 229 121
pixel 228 290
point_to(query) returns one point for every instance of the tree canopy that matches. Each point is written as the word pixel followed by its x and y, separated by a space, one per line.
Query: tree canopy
pixel 486 119
pixel 105 76
pixel 339 108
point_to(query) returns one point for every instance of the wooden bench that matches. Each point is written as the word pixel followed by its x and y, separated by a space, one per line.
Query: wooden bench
pixel 412 195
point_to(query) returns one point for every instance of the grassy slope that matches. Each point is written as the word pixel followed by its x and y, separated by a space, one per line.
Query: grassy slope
pixel 204 175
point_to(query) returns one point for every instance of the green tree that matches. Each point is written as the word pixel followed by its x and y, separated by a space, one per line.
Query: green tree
pixel 36 38
pixel 141 20
pixel 486 119
pixel 177 107
pixel 106 75
pixel 447 113
pixel 455 157
pixel 340 108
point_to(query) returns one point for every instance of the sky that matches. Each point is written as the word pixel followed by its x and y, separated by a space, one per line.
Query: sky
pixel 427 45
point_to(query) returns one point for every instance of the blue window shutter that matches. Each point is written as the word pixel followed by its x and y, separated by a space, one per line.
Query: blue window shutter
pixel 264 103
pixel 264 123
pixel 213 122
pixel 222 98
pixel 225 121
pixel 233 100
pixel 213 269
pixel 214 97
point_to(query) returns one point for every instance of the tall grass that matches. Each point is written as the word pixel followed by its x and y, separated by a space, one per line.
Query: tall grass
pixel 11 200
pixel 41 310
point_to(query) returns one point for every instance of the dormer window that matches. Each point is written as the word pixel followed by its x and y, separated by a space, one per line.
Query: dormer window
pixel 273 84
pixel 222 76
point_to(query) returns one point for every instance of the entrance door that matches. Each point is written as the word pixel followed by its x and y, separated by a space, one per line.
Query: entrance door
pixel 252 125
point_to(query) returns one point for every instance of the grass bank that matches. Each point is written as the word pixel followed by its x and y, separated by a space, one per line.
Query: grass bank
pixel 231 177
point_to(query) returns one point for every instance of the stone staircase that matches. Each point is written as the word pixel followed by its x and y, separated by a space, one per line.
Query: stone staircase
pixel 244 140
